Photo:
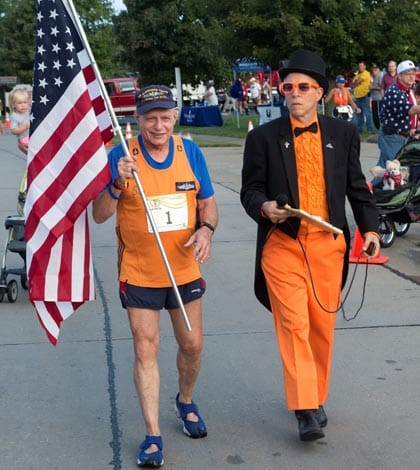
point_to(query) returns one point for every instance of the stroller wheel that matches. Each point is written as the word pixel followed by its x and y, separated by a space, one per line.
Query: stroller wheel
pixel 401 228
pixel 12 291
pixel 386 231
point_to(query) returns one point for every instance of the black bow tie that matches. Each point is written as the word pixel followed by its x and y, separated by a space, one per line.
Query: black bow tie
pixel 312 128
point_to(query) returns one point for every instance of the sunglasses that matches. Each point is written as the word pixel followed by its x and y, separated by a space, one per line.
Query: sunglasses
pixel 287 88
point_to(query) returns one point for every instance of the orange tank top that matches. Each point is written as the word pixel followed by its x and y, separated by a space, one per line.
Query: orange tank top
pixel 341 96
pixel 172 195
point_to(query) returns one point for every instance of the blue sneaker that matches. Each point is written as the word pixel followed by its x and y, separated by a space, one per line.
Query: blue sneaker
pixel 192 429
pixel 154 459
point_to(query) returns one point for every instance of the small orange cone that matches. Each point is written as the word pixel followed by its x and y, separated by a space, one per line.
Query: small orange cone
pixel 7 121
pixel 356 255
pixel 128 133
pixel 250 125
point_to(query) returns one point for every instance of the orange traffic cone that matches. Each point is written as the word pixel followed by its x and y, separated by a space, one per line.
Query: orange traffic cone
pixel 250 125
pixel 128 133
pixel 357 256
pixel 7 121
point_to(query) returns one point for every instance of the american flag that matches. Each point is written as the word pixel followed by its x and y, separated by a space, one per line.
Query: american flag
pixel 67 168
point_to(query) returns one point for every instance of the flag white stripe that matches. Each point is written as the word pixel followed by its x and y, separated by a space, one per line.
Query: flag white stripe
pixel 78 259
pixel 52 271
pixel 46 318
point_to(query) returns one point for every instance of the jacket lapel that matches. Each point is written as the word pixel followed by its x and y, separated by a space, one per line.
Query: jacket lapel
pixel 329 153
pixel 285 143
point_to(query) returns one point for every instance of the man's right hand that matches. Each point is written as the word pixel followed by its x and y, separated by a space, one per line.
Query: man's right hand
pixel 277 215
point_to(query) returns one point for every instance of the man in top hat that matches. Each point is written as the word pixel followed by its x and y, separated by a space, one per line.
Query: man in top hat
pixel 180 195
pixel 310 162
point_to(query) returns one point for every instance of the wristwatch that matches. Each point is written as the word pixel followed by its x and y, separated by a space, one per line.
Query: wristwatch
pixel 208 225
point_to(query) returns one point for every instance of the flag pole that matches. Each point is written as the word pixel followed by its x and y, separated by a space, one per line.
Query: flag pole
pixel 117 129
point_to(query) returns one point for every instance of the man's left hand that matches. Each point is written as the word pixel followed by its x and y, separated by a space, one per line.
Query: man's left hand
pixel 201 240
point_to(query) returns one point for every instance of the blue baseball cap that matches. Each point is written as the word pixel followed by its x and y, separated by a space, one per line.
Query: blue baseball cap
pixel 340 79
pixel 154 97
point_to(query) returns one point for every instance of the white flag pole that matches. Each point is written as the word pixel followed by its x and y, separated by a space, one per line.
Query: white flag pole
pixel 117 129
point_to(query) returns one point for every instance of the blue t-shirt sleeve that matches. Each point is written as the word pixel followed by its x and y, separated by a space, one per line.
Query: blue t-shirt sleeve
pixel 113 156
pixel 199 167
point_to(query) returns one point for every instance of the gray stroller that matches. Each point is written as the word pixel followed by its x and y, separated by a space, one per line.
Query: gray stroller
pixel 400 207
pixel 15 243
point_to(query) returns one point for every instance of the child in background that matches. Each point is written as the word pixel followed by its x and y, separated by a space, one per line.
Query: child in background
pixel 19 102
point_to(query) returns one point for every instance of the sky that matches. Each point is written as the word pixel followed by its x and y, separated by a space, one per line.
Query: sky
pixel 118 5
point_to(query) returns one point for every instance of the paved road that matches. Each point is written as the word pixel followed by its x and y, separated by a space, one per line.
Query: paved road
pixel 74 406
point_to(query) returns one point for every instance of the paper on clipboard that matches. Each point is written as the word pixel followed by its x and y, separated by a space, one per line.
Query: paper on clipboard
pixel 313 219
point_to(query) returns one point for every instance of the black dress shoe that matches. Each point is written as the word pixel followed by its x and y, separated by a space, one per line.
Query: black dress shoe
pixel 309 428
pixel 321 416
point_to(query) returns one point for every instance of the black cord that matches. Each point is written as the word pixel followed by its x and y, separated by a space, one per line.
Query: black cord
pixel 341 306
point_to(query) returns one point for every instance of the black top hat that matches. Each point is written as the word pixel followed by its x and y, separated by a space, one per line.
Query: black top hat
pixel 309 63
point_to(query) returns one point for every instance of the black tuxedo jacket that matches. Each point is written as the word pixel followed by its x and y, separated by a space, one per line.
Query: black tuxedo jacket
pixel 269 169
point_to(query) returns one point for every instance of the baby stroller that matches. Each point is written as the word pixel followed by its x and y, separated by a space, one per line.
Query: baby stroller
pixel 15 243
pixel 401 207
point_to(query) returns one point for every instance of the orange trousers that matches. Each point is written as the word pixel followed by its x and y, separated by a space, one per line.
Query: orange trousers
pixel 305 332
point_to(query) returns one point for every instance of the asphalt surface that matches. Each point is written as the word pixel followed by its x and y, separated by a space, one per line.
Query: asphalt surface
pixel 74 406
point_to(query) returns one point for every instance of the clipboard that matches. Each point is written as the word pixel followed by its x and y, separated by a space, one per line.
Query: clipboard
pixel 313 219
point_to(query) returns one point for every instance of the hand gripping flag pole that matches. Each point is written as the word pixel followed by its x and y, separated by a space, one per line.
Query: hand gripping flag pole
pixel 118 131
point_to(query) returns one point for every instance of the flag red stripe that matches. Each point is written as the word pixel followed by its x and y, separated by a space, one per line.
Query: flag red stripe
pixel 89 74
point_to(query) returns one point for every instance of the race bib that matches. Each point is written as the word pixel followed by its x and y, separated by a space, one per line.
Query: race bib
pixel 169 211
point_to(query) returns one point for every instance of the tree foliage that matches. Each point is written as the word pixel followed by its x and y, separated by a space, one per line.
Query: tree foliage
pixel 204 37
pixel 17 36
pixel 160 35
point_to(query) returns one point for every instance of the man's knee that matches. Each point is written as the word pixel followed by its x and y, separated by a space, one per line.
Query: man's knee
pixel 145 347
pixel 192 347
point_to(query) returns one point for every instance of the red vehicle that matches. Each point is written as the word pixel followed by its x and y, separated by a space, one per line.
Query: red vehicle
pixel 122 93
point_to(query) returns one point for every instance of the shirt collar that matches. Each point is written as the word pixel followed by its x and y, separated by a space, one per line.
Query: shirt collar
pixel 402 87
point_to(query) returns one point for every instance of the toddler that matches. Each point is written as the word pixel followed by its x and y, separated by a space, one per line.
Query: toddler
pixel 19 102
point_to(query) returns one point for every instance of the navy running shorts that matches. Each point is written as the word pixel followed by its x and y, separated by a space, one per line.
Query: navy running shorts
pixel 157 298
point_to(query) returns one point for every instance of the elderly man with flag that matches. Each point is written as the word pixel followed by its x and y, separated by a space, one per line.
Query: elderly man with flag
pixel 181 199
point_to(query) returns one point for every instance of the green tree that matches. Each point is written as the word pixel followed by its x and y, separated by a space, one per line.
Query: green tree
pixel 17 36
pixel 275 28
pixel 391 30
pixel 342 31
pixel 160 35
